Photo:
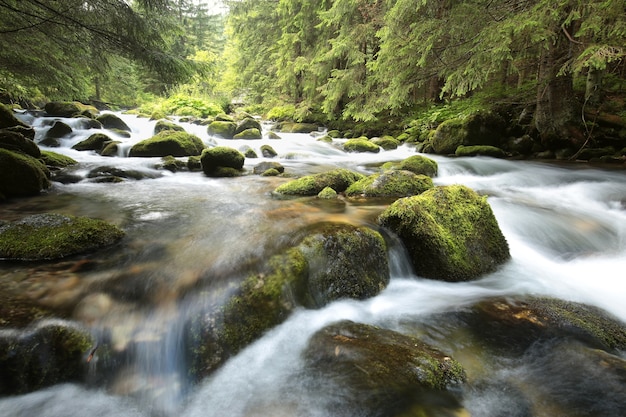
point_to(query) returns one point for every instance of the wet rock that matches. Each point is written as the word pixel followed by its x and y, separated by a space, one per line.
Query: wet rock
pixel 247 124
pixel 95 142
pixel 378 372
pixel 480 150
pixel 249 134
pixel 56 160
pixel 111 121
pixel 106 172
pixel 222 161
pixel 417 164
pixel 327 194
pixel 8 119
pixel 21 174
pixel 223 129
pixel 394 183
pixel 386 142
pixel 162 125
pixel 338 179
pixel 57 131
pixel 168 142
pixel 171 164
pixel 291 127
pixel 450 233
pixel 63 109
pixel 111 148
pixel 344 261
pixel 55 236
pixel 53 352
pixel 264 166
pixel 268 152
pixel 17 142
pixel 361 144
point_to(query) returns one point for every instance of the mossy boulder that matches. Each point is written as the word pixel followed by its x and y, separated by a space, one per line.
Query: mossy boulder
pixel 338 179
pixel 393 183
pixel 247 124
pixel 268 152
pixel 55 236
pixel 95 142
pixel 222 129
pixel 222 161
pixel 480 128
pixel 162 125
pixel 63 109
pixel 448 136
pixel 512 326
pixel 168 142
pixel 380 372
pixel 327 194
pixel 56 160
pixel 53 352
pixel 264 166
pixel 344 261
pixel 261 301
pixel 252 133
pixel 113 122
pixel 172 164
pixel 480 150
pixel 386 142
pixel 8 119
pixel 57 131
pixel 21 174
pixel 222 117
pixel 450 233
pixel 17 142
pixel 111 148
pixel 418 164
pixel 291 127
pixel 361 144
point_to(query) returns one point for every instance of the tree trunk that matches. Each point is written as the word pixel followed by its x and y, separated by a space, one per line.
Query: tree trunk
pixel 557 117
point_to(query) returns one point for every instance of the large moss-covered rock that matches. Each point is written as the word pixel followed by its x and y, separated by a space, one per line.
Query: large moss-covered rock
pixel 393 183
pixel 162 125
pixel 53 352
pixel 448 136
pixel 248 123
pixel 168 142
pixel 380 372
pixel 56 160
pixel 222 161
pixel 291 127
pixel 95 142
pixel 63 109
pixel 223 129
pixel 8 119
pixel 450 233
pixel 481 128
pixel 260 302
pixel 113 122
pixel 54 236
pixel 21 174
pixel 344 261
pixel 252 133
pixel 14 141
pixel 361 144
pixel 417 164
pixel 386 142
pixel 338 179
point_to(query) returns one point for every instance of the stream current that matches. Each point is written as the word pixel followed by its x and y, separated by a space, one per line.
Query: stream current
pixel 189 236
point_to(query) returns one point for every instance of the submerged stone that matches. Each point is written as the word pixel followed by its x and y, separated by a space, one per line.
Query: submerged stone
pixel 55 236
pixel 450 233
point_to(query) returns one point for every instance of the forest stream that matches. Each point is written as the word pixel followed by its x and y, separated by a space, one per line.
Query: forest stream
pixel 189 236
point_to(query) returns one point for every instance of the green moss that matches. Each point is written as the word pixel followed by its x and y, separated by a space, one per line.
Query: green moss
pixel 327 193
pixel 53 159
pixel 222 129
pixel 480 150
pixel 450 233
pixel 162 125
pixel 419 164
pixel 252 133
pixel 168 142
pixel 394 183
pixel 263 300
pixel 95 142
pixel 360 145
pixel 449 136
pixel 22 175
pixel 338 179
pixel 221 160
pixel 53 236
pixel 386 142
pixel 272 172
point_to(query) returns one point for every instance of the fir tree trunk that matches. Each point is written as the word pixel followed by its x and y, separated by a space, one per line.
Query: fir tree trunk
pixel 557 115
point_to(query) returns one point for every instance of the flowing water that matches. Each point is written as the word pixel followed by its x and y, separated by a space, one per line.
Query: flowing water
pixel 189 237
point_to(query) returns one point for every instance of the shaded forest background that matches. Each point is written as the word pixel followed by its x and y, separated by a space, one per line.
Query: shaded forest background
pixel 377 63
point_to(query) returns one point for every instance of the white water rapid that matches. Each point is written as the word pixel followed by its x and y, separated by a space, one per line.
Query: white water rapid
pixel 565 225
